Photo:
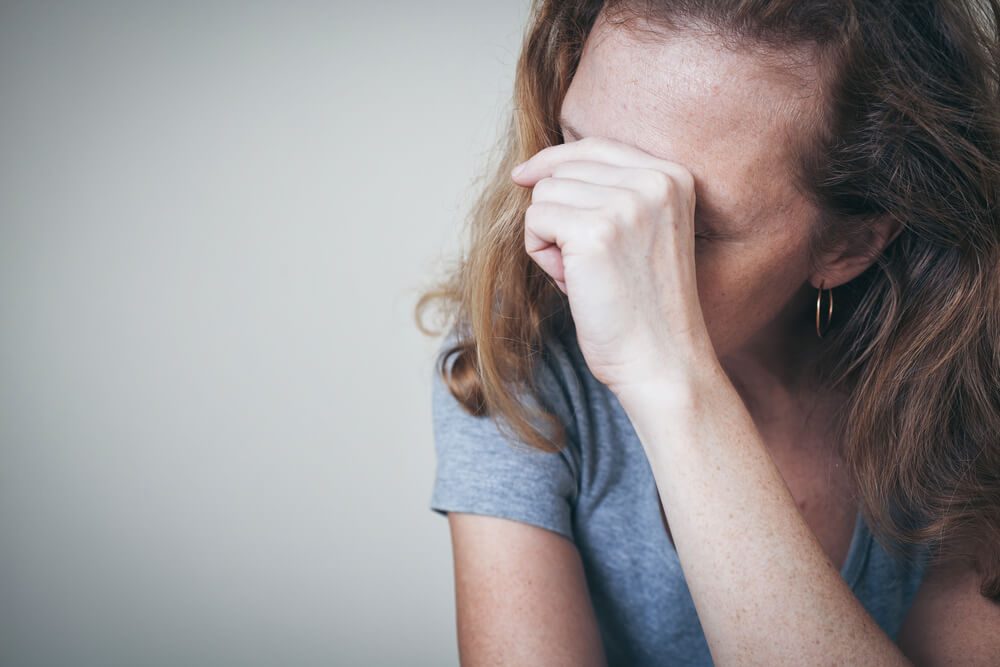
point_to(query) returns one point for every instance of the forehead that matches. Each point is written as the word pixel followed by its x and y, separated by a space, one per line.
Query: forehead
pixel 729 117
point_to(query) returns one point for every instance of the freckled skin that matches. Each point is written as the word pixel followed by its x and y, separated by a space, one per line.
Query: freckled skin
pixel 726 117
pixel 684 99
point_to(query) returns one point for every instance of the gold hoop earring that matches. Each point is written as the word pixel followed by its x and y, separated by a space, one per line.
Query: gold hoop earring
pixel 829 314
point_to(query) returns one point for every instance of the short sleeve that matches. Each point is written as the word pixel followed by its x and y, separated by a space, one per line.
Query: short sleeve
pixel 480 471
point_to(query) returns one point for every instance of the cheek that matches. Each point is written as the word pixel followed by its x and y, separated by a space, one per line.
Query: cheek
pixel 743 287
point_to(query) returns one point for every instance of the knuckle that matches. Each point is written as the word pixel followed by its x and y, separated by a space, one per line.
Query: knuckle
pixel 531 213
pixel 627 208
pixel 684 180
pixel 660 185
pixel 535 209
pixel 564 169
pixel 603 233
pixel 543 188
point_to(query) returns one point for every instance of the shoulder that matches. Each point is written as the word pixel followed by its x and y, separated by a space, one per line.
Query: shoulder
pixel 556 375
pixel 482 468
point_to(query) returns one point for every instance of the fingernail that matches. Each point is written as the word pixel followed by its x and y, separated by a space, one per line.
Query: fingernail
pixel 517 170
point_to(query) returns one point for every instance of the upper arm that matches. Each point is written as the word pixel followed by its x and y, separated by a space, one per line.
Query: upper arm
pixel 950 622
pixel 521 591
pixel 521 595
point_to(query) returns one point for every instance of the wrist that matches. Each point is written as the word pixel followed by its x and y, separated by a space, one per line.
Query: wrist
pixel 669 412
pixel 673 387
pixel 662 392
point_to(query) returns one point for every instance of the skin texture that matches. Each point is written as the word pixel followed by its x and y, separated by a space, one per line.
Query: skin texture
pixel 725 117
pixel 521 596
pixel 735 434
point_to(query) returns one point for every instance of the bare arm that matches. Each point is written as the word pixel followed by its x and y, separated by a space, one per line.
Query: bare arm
pixel 521 595
pixel 764 589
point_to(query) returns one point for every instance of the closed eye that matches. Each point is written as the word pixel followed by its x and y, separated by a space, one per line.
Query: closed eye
pixel 710 236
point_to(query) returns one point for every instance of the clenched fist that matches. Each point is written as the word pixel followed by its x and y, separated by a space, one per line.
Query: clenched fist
pixel 614 228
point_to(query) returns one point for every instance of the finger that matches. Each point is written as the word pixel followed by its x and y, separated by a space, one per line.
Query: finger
pixel 582 194
pixel 652 184
pixel 549 231
pixel 549 259
pixel 541 243
pixel 555 224
pixel 599 149
pixel 601 173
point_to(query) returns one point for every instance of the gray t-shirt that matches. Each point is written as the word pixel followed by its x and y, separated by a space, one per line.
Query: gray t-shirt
pixel 600 493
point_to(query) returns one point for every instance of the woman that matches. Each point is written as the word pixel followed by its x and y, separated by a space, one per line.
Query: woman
pixel 738 311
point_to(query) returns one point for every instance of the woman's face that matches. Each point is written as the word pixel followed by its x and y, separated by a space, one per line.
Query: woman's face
pixel 727 119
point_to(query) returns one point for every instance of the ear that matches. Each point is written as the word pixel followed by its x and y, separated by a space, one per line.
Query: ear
pixel 852 257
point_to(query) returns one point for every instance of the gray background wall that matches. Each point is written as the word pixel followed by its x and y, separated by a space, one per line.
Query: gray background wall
pixel 215 438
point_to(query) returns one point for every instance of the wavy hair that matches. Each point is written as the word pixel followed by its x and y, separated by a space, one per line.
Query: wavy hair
pixel 908 126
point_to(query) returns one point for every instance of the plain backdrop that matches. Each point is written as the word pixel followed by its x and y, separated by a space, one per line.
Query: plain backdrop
pixel 215 219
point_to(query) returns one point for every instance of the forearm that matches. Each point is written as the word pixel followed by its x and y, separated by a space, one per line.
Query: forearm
pixel 764 589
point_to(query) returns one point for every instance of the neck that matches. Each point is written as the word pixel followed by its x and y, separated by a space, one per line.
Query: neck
pixel 774 375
